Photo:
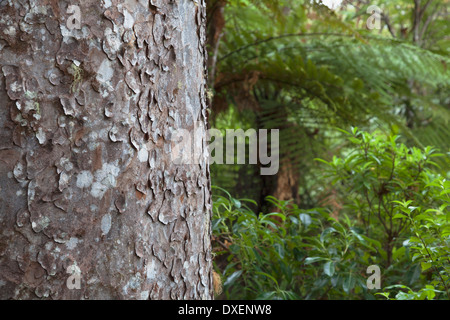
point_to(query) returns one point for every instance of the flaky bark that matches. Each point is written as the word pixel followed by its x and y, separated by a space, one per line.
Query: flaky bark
pixel 87 183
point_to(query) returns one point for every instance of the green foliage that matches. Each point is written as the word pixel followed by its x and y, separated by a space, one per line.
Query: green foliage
pixel 394 215
pixel 307 71
pixel 379 170
pixel 312 69
pixel 262 257
pixel 289 254
pixel 430 236
pixel 395 192
pixel 426 293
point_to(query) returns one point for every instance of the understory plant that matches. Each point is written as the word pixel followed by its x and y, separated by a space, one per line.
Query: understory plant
pixel 287 254
pixel 393 214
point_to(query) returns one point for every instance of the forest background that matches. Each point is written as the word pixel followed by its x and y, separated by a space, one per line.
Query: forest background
pixel 359 92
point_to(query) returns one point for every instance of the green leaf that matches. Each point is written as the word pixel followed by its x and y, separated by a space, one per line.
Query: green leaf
pixel 329 268
pixel 231 279
pixel 349 283
pixel 326 232
pixel 399 216
pixel 280 250
pixel 268 276
pixel 236 203
pixel 400 252
pixel 425 266
pixel 267 295
pixel 305 219
pixel 384 294
pixel 313 259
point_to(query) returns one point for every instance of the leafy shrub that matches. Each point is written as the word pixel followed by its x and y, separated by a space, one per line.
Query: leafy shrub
pixel 290 254
pixel 429 240
pixel 400 200
pixel 395 215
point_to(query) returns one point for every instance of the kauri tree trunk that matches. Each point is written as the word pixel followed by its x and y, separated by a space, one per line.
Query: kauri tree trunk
pixel 92 206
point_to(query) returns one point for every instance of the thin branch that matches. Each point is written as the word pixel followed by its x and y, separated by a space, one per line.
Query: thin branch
pixel 386 20
pixel 428 21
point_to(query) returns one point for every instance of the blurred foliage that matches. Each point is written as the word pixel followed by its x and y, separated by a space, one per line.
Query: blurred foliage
pixel 304 69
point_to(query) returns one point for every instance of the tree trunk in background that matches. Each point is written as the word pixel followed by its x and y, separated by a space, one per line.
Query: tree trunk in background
pixel 215 26
pixel 87 184
pixel 285 184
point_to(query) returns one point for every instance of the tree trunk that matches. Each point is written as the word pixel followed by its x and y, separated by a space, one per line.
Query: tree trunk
pixel 285 184
pixel 92 206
